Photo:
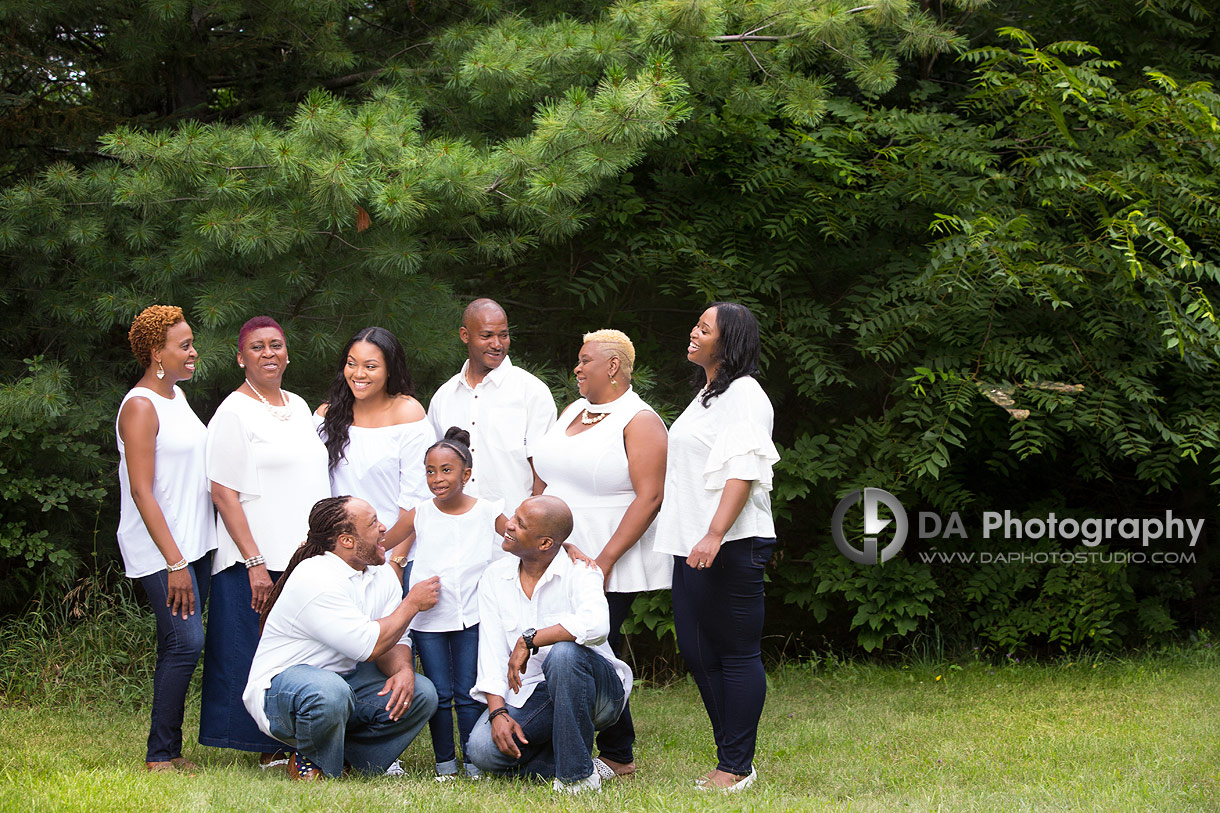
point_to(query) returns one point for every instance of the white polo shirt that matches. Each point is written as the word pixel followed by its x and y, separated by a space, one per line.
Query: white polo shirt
pixel 326 617
pixel 505 414
pixel 567 594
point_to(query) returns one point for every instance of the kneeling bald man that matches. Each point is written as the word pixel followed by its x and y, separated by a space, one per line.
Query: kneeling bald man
pixel 546 672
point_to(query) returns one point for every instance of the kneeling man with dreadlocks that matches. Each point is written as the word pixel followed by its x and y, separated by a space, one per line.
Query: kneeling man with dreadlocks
pixel 333 675
pixel 545 670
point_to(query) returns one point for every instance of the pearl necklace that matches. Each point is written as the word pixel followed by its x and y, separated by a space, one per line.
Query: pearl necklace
pixel 588 419
pixel 282 413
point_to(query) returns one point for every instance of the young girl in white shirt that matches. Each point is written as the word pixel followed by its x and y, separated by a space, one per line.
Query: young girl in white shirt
pixel 455 537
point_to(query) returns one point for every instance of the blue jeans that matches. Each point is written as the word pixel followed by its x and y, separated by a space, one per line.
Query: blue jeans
pixel 718 613
pixel 451 661
pixel 580 694
pixel 179 642
pixel 328 717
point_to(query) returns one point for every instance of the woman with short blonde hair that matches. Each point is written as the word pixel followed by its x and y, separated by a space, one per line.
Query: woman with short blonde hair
pixel 605 457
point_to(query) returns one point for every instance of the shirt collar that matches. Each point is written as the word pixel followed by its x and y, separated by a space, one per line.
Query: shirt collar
pixel 559 567
pixel 343 568
pixel 495 376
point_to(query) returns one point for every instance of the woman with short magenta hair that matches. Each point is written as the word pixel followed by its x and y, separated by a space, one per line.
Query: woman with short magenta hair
pixel 267 468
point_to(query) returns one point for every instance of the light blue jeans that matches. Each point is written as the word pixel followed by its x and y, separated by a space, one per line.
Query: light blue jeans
pixel 329 718
pixel 581 694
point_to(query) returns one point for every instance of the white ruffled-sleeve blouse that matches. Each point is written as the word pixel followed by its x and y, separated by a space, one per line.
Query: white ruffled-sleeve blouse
pixel 730 439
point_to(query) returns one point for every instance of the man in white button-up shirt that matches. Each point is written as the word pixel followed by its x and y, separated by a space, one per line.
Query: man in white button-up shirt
pixel 504 408
pixel 333 675
pixel 546 672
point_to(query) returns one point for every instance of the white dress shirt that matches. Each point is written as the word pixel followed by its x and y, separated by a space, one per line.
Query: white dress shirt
pixel 325 617
pixel 730 439
pixel 505 414
pixel 567 594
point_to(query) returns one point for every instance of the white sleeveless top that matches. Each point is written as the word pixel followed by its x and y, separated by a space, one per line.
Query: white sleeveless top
pixel 589 472
pixel 384 465
pixel 180 484
pixel 458 548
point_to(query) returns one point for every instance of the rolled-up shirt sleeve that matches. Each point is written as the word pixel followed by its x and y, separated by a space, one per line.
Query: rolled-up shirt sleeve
pixel 540 413
pixel 589 621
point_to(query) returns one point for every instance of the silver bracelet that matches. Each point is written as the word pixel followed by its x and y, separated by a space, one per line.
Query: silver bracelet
pixel 255 561
pixel 180 566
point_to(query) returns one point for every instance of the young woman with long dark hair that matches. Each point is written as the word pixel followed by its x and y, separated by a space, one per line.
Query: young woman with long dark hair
pixel 376 433
pixel 716 521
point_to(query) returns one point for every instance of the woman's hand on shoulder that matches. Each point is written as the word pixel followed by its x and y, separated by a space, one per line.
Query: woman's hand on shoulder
pixel 321 410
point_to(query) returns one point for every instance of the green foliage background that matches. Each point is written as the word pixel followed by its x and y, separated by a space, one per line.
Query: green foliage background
pixel 981 240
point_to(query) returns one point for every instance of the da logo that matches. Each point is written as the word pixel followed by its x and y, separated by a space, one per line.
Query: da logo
pixel 874 524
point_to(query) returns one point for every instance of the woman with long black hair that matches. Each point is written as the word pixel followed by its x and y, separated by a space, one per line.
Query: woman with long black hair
pixel 376 433
pixel 716 522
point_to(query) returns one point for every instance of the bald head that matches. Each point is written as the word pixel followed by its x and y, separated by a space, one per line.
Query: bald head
pixel 484 331
pixel 552 517
pixel 537 529
pixel 482 309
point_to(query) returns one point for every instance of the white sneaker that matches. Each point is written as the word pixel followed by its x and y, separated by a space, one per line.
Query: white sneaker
pixel 395 769
pixel 591 782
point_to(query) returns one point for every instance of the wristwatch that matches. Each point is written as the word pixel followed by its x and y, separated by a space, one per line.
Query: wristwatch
pixel 528 637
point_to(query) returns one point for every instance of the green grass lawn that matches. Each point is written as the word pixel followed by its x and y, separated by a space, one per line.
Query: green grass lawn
pixel 1118 735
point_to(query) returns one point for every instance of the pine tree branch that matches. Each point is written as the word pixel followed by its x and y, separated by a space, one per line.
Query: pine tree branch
pixel 753 37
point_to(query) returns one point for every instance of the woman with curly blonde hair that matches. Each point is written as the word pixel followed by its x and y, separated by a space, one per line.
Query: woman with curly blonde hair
pixel 166 532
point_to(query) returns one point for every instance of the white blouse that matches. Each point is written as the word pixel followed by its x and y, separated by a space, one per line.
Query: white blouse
pixel 179 484
pixel 728 440
pixel 278 469
pixel 589 472
pixel 385 466
pixel 458 548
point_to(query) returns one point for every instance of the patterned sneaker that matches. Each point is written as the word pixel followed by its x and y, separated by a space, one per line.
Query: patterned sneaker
pixel 301 768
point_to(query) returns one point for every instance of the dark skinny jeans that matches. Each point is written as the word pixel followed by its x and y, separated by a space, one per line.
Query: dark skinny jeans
pixel 179 642
pixel 718 613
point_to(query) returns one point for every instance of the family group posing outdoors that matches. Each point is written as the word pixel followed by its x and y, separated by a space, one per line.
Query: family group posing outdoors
pixel 500 545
